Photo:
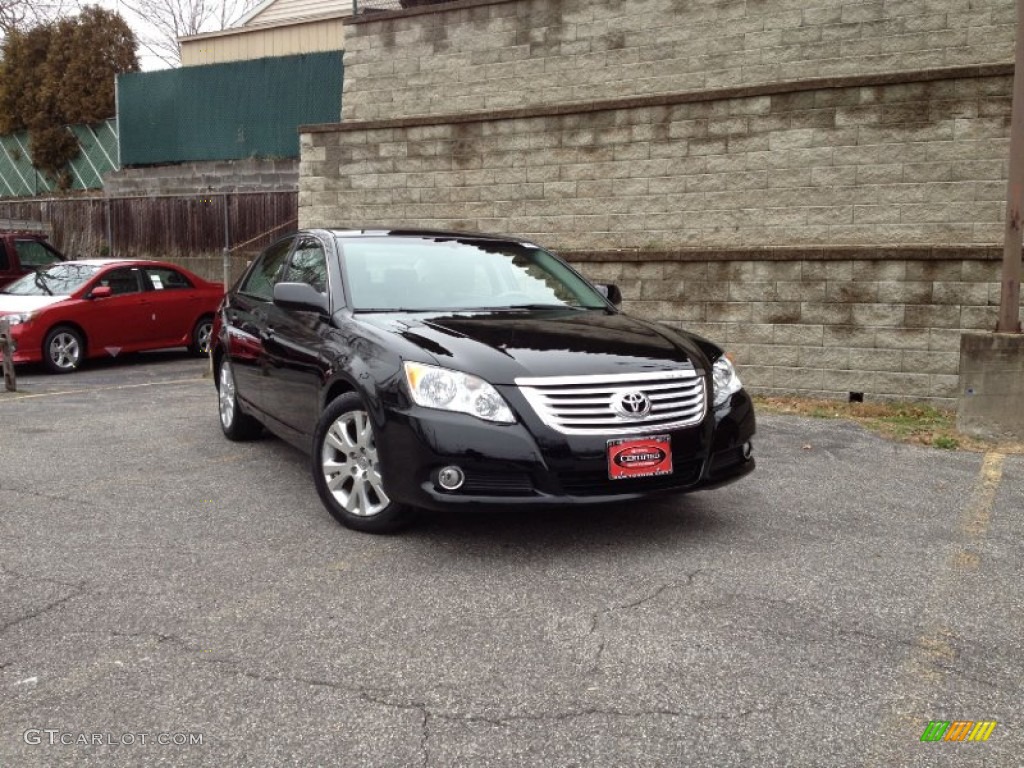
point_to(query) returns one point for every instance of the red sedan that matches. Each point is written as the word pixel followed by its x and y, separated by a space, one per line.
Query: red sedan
pixel 74 310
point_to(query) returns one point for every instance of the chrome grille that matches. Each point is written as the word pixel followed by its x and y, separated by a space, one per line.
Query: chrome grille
pixel 586 405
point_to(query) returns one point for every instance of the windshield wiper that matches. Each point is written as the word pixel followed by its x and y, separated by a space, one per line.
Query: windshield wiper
pixel 391 309
pixel 40 281
pixel 537 306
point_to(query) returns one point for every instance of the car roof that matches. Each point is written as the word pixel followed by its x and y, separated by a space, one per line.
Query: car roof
pixel 125 262
pixel 414 232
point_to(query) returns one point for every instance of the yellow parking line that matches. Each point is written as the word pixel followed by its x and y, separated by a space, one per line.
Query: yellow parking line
pixel 974 522
pixel 11 398
pixel 926 667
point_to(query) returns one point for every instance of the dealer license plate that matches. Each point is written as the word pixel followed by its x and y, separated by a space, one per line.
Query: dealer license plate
pixel 639 457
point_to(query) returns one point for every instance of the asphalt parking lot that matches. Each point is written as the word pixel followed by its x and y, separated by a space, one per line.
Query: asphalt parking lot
pixel 160 583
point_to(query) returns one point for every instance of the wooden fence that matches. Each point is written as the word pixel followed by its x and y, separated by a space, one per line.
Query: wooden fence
pixel 189 230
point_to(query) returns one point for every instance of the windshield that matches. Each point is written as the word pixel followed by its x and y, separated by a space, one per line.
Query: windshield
pixel 391 274
pixel 56 280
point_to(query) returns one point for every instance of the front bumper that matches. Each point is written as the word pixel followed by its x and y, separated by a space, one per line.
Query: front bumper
pixel 27 349
pixel 530 464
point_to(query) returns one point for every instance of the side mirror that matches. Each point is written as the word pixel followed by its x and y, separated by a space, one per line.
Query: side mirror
pixel 611 292
pixel 100 292
pixel 301 296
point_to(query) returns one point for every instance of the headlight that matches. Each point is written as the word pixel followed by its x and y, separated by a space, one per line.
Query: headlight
pixel 20 317
pixel 434 387
pixel 725 380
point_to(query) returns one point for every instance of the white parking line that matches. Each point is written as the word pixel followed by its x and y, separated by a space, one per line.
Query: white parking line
pixel 11 398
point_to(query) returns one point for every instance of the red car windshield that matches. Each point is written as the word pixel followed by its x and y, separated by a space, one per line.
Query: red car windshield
pixel 56 280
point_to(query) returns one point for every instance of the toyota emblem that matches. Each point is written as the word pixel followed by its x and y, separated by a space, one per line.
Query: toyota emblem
pixel 632 404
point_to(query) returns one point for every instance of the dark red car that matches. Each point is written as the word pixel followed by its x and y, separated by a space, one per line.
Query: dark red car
pixel 74 310
pixel 22 252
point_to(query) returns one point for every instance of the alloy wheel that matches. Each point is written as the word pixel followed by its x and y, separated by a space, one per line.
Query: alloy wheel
pixel 226 395
pixel 350 466
pixel 65 351
pixel 203 336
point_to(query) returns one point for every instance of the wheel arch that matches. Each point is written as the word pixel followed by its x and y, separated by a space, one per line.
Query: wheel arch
pixel 73 326
pixel 217 354
pixel 335 389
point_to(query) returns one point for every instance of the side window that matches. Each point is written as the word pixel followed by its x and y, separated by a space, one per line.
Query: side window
pixel 32 253
pixel 308 265
pixel 260 281
pixel 121 281
pixel 163 279
pixel 5 263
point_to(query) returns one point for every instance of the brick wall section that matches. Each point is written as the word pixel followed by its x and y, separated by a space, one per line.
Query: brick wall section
pixel 822 327
pixel 204 177
pixel 484 56
pixel 917 163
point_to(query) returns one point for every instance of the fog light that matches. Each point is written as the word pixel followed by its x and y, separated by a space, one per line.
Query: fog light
pixel 451 478
pixel 747 450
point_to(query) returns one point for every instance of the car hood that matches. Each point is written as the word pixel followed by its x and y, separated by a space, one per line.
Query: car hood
pixel 10 303
pixel 501 346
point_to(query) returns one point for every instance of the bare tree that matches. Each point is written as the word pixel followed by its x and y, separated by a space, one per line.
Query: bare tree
pixel 171 19
pixel 20 14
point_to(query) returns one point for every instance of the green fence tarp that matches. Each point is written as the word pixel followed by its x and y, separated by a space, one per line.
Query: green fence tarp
pixel 226 111
pixel 97 155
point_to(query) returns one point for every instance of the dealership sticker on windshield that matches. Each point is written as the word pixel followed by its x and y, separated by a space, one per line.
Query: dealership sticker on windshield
pixel 639 457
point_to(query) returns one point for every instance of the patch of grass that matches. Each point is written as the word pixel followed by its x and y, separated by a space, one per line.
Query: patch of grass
pixel 906 422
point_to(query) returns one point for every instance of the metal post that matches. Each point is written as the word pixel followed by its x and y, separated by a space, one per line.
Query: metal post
pixel 110 229
pixel 227 245
pixel 1009 300
pixel 7 350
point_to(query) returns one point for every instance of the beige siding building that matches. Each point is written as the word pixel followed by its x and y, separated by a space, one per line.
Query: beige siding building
pixel 273 28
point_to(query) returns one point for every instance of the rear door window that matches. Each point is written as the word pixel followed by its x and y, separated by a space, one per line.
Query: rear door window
pixel 164 279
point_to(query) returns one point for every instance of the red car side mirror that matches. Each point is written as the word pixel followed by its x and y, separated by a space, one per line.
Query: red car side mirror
pixel 100 292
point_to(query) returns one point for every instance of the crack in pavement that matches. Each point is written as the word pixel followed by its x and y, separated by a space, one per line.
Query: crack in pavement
pixel 508 720
pixel 78 589
pixel 48 496
pixel 833 631
pixel 5 571
pixel 427 713
pixel 596 617
pixel 34 614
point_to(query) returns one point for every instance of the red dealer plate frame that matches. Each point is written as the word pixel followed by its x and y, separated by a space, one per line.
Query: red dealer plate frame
pixel 639 457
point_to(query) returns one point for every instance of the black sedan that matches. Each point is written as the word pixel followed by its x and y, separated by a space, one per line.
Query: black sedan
pixel 435 369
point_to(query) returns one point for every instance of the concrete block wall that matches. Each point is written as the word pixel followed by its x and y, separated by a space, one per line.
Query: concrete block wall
pixel 482 55
pixel 818 324
pixel 253 175
pixel 881 165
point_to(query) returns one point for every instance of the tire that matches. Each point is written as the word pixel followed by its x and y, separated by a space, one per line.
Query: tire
pixel 346 471
pixel 201 336
pixel 63 349
pixel 235 424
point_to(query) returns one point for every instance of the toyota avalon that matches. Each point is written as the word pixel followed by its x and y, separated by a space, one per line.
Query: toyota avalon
pixel 429 370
